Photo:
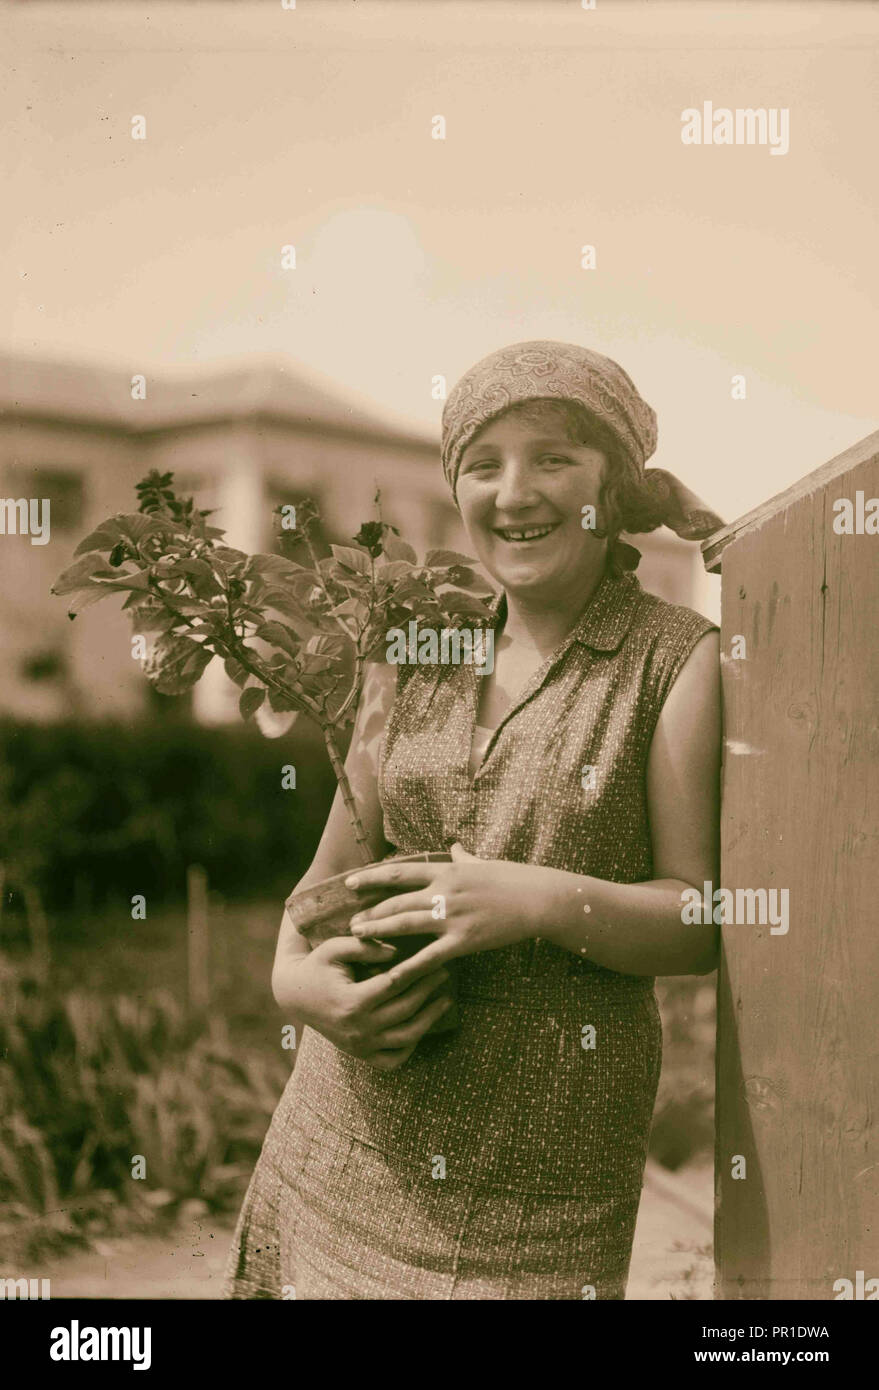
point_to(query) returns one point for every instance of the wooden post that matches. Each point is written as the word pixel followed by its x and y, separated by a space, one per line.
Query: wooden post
pixel 38 927
pixel 198 938
pixel 797 1072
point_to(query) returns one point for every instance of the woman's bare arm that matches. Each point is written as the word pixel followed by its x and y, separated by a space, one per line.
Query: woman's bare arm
pixel 637 928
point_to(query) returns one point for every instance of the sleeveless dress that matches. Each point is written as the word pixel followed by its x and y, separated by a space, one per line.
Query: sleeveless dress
pixel 503 1160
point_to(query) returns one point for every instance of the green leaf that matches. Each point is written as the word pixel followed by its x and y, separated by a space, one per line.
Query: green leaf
pixel 412 588
pixel 104 538
pixel 279 636
pixel 271 567
pixel 190 607
pixel 462 578
pixel 250 700
pixel 79 575
pixel 228 556
pixel 442 559
pixel 147 615
pixel 136 526
pixel 352 559
pixel 394 570
pixel 120 580
pixel 197 567
pixel 326 645
pixel 235 671
pixel 84 599
pixel 351 608
pixel 454 602
pixel 287 606
pixel 170 568
pixel 398 550
pixel 176 664
pixel 311 665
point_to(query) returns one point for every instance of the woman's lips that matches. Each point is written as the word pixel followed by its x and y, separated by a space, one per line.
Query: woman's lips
pixel 525 535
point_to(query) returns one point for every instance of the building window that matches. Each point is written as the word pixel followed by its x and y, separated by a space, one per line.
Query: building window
pixel 65 490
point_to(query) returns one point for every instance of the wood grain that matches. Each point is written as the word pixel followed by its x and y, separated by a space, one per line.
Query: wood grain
pixel 797 1073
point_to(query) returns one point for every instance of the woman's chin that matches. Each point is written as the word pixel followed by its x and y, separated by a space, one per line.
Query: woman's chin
pixel 524 577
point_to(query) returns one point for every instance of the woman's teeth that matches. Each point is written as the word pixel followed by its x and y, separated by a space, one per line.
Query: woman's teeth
pixel 524 533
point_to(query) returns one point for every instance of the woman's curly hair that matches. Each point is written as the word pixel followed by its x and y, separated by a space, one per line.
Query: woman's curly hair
pixel 626 504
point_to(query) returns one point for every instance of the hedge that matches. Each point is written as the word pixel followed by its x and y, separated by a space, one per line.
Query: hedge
pixel 87 810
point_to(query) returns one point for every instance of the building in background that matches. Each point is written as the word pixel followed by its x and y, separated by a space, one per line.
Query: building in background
pixel 244 440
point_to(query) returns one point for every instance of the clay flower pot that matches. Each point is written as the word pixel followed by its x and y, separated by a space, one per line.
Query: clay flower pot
pixel 325 909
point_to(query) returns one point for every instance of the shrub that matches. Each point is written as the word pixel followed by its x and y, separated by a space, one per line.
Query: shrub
pixel 88 1082
pixel 93 813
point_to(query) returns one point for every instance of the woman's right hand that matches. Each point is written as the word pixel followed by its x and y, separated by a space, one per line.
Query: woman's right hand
pixel 375 1019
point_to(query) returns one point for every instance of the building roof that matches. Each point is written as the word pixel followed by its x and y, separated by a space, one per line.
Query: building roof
pixel 271 388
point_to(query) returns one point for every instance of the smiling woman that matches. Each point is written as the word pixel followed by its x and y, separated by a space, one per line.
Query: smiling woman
pixel 505 1160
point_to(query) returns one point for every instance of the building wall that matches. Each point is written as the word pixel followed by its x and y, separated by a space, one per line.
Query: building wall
pixel 54 668
pixel 98 676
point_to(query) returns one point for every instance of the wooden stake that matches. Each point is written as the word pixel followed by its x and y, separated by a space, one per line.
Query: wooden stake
pixel 198 938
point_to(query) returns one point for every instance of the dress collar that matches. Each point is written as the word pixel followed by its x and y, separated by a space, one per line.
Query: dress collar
pixel 605 620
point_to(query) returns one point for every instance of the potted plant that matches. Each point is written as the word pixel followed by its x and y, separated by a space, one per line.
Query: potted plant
pixel 296 635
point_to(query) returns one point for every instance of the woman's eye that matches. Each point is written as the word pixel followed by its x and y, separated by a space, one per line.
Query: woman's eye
pixel 480 464
pixel 555 459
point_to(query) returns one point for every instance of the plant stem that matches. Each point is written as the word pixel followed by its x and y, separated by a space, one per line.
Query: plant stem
pixel 347 796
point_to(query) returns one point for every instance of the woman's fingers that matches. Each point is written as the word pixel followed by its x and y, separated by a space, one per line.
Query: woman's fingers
pixel 416 875
pixel 404 1005
pixel 415 1029
pixel 381 987
pixel 389 1061
pixel 424 961
pixel 391 907
pixel 404 924
pixel 352 950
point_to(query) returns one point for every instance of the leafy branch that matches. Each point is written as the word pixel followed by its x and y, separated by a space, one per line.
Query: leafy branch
pixel 299 635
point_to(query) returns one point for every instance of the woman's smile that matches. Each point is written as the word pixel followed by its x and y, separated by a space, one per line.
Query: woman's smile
pixel 526 535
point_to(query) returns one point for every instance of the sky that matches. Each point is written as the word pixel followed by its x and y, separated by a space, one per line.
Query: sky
pixel 268 127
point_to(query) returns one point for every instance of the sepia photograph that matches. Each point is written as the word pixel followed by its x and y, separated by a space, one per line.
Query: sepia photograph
pixel 439 711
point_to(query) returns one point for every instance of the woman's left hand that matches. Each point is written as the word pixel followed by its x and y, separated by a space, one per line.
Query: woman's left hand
pixel 470 905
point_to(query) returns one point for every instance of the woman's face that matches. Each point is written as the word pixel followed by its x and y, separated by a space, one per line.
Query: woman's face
pixel 522 486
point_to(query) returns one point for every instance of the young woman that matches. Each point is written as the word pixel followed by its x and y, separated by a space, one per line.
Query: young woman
pixel 577 786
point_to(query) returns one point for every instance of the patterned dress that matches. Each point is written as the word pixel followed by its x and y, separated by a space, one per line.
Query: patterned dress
pixel 504 1160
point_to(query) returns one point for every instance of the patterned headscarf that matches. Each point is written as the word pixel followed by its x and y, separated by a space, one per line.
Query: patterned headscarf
pixel 565 372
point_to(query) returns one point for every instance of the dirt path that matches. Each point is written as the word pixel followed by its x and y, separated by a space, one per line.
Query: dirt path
pixel 671 1256
pixel 673 1252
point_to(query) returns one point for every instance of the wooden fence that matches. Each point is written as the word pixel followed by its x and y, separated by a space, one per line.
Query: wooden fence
pixel 797 1157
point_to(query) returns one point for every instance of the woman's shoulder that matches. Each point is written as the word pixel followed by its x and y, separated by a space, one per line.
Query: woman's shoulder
pixel 666 634
pixel 660 619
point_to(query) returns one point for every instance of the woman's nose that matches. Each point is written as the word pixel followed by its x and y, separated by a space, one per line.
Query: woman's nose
pixel 515 488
